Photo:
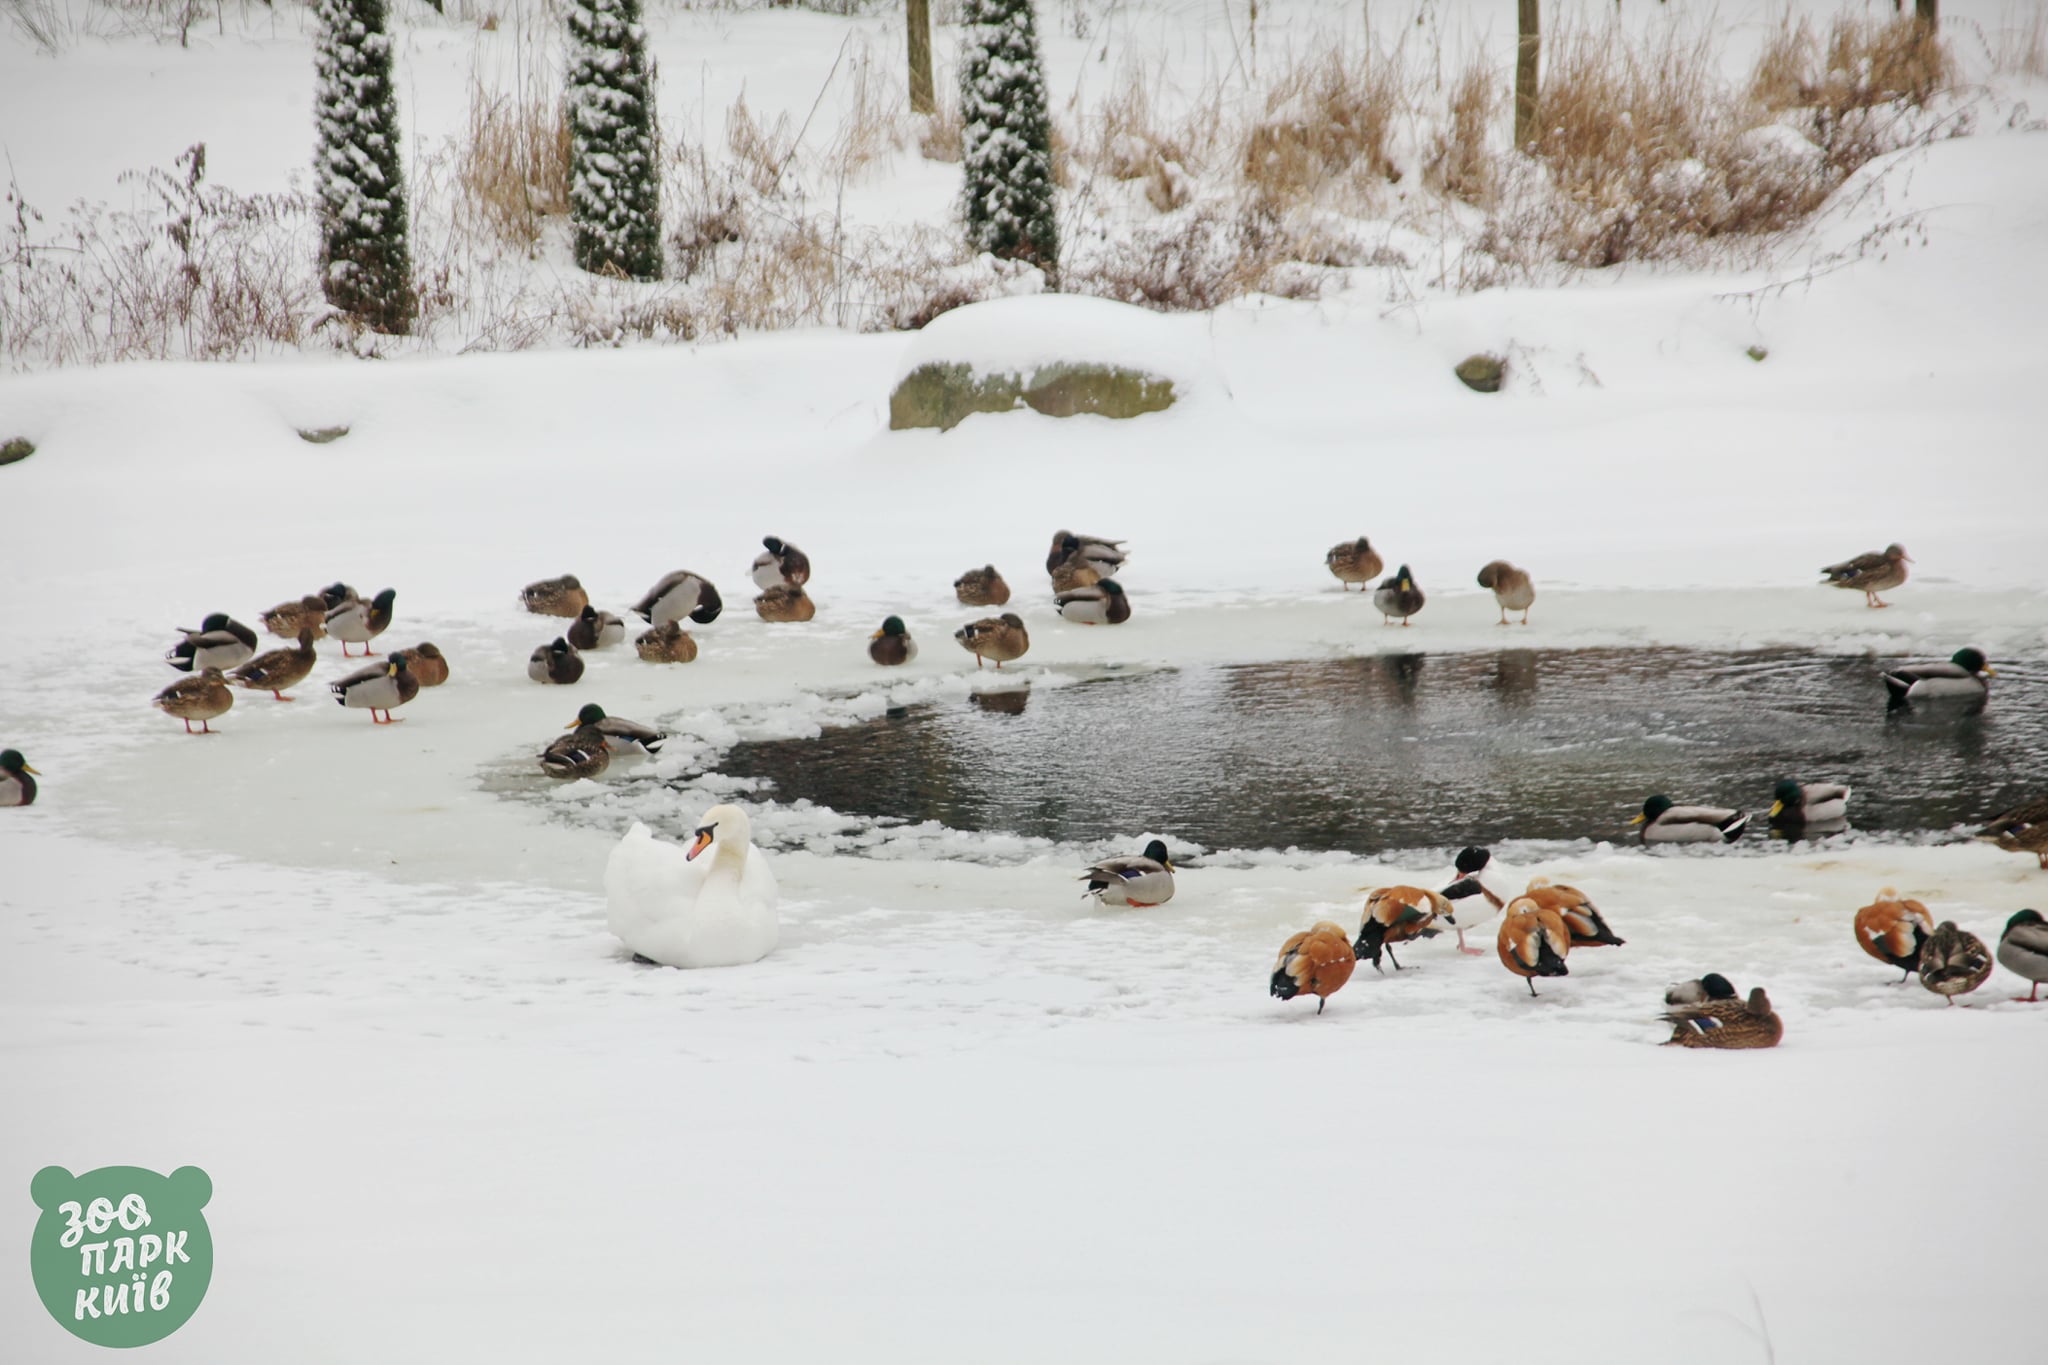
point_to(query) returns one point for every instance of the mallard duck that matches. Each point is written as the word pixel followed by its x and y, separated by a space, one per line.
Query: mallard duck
pixel 982 587
pixel 1665 822
pixel 1870 574
pixel 1355 561
pixel 1511 588
pixel 1471 901
pixel 1077 574
pixel 275 670
pixel 287 619
pixel 1314 962
pixel 557 662
pixel 1102 605
pixel 1798 804
pixel 1960 679
pixel 595 629
pixel 336 593
pixel 586 753
pixel 1396 914
pixel 891 645
pixel 380 687
pixel 1141 882
pixel 356 622
pixel 2022 949
pixel 205 696
pixel 1953 961
pixel 1893 930
pixel 785 604
pixel 18 780
pixel 678 595
pixel 625 736
pixel 1398 596
pixel 1712 986
pixel 1001 638
pixel 562 596
pixel 220 642
pixel 1533 941
pixel 671 915
pixel 1104 556
pixel 1727 1023
pixel 2023 829
pixel 781 565
pixel 1581 918
pixel 426 662
pixel 668 644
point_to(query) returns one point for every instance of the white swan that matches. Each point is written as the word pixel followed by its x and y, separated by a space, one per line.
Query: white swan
pixel 682 910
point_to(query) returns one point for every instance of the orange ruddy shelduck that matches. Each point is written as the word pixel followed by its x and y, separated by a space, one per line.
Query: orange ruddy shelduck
pixel 1581 919
pixel 1397 914
pixel 1533 941
pixel 1314 962
pixel 1892 930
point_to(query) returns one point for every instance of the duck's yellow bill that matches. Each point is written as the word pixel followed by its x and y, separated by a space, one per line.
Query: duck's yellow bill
pixel 1990 672
pixel 1637 818
pixel 573 724
pixel 1776 806
pixel 30 771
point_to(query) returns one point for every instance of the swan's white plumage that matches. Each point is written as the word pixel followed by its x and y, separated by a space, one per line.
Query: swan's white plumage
pixel 715 911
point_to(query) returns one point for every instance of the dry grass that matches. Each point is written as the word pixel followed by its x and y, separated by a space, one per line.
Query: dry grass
pixel 1326 121
pixel 513 163
pixel 1461 162
pixel 2019 47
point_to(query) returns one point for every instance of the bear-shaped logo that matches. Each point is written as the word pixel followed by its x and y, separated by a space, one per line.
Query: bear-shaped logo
pixel 121 1256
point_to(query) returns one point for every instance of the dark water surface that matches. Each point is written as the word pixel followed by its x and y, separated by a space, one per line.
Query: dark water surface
pixel 1412 751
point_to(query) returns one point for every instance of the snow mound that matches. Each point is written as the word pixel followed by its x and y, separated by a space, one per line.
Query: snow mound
pixel 1027 333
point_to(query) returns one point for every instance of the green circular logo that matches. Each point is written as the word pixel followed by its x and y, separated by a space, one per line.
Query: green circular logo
pixel 121 1256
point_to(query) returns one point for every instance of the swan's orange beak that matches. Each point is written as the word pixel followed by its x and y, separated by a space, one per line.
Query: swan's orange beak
pixel 702 842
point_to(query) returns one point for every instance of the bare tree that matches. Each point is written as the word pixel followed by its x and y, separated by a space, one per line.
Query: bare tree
pixel 1527 46
pixel 918 20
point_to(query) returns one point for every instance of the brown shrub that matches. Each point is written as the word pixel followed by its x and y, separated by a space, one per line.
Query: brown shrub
pixel 1325 119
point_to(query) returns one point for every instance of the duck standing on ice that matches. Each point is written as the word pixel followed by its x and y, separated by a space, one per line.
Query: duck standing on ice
pixel 713 906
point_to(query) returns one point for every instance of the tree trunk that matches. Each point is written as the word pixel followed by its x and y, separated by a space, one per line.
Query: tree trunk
pixel 1927 12
pixel 918 20
pixel 1526 49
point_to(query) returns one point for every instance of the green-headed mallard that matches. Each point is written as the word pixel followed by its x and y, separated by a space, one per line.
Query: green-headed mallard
pixel 1104 604
pixel 1511 586
pixel 667 644
pixel 982 587
pixel 275 670
pixel 781 565
pixel 562 596
pixel 1795 805
pixel 336 593
pixel 1141 882
pixel 585 753
pixel 356 622
pixel 1870 574
pixel 1396 914
pixel 1314 962
pixel 1960 679
pixel 2022 950
pixel 626 736
pixel 1582 920
pixel 785 604
pixel 555 662
pixel 426 662
pixel 1355 561
pixel 1105 557
pixel 17 779
pixel 1000 638
pixel 1747 1023
pixel 287 619
pixel 1712 986
pixel 678 595
pixel 1666 822
pixel 204 697
pixel 2023 829
pixel 1893 930
pixel 1533 941
pixel 595 629
pixel 220 642
pixel 1953 961
pixel 380 687
pixel 1397 595
pixel 892 645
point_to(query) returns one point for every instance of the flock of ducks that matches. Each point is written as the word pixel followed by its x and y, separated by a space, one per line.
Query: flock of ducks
pixel 1542 926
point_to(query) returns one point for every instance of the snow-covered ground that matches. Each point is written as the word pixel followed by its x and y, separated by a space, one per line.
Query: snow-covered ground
pixel 959 1114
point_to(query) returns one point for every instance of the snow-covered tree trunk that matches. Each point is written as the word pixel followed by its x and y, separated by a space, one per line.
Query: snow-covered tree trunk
pixel 366 262
pixel 1006 134
pixel 1528 43
pixel 614 178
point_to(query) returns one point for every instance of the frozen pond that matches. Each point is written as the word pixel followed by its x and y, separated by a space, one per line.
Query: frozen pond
pixel 1419 751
